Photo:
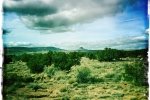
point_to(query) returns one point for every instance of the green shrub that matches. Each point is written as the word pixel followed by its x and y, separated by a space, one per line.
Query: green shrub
pixel 28 79
pixel 36 64
pixel 34 86
pixel 91 55
pixel 35 67
pixel 74 57
pixel 136 73
pixel 13 87
pixel 7 59
pixel 110 75
pixel 47 58
pixel 75 84
pixel 64 89
pixel 84 74
pixel 64 61
pixel 11 78
pixel 95 79
pixel 65 98
pixel 60 61
pixel 50 71
pixel 108 54
pixel 24 57
pixel 115 77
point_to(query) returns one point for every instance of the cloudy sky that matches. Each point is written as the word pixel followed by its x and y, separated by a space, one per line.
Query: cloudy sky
pixel 70 24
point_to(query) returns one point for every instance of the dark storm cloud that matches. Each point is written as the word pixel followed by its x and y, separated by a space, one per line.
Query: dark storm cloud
pixel 54 14
pixel 33 7
pixel 52 22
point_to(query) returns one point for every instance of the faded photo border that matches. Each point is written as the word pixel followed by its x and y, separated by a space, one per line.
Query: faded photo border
pixel 2 51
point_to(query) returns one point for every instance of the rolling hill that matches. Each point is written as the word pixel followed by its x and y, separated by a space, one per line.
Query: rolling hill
pixel 20 50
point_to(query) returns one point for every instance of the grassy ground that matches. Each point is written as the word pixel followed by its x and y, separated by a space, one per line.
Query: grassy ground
pixel 61 85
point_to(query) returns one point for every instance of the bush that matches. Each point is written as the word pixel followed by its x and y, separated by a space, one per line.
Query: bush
pixel 135 73
pixel 24 57
pixel 35 67
pixel 11 78
pixel 108 54
pixel 65 61
pixel 50 71
pixel 34 86
pixel 65 98
pixel 91 55
pixel 36 63
pixel 47 58
pixel 60 60
pixel 114 77
pixel 95 79
pixel 74 57
pixel 28 79
pixel 64 89
pixel 8 59
pixel 84 74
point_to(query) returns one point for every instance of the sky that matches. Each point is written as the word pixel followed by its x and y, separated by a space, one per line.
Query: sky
pixel 71 24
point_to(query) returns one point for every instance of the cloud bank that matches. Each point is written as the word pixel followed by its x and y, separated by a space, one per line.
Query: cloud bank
pixel 17 44
pixel 60 14
pixel 126 43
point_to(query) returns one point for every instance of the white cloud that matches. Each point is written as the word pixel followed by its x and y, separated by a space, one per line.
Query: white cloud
pixel 15 44
pixel 140 38
pixel 137 42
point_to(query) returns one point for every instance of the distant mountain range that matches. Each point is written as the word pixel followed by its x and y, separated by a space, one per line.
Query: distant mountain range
pixel 20 50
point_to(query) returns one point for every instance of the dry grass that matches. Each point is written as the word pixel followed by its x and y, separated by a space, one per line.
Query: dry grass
pixel 63 85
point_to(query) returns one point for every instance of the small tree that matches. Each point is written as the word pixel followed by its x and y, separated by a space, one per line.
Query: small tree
pixel 65 61
pixel 36 64
pixel 84 74
pixel 135 73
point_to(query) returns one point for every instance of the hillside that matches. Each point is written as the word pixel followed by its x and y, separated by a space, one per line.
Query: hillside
pixel 107 82
pixel 20 50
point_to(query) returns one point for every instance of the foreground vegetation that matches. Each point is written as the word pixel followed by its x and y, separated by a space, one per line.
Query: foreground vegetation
pixel 101 75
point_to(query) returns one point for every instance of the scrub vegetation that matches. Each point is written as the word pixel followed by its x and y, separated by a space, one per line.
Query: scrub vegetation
pixel 108 74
